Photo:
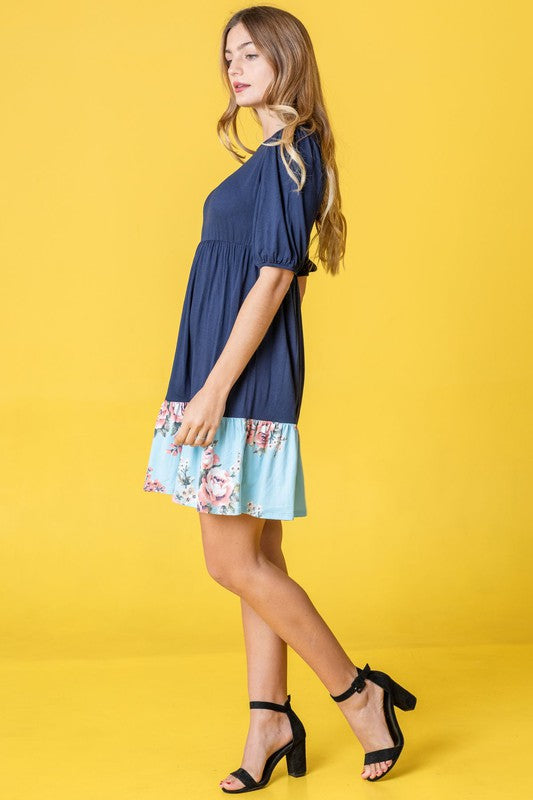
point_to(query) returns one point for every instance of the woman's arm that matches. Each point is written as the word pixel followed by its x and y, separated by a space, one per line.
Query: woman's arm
pixel 204 411
pixel 252 322
pixel 301 285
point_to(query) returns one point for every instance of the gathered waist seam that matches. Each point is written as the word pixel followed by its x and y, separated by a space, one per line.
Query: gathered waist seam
pixel 227 241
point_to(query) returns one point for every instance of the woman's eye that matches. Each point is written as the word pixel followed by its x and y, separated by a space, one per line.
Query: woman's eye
pixel 248 55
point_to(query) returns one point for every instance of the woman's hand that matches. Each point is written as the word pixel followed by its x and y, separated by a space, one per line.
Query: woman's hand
pixel 201 418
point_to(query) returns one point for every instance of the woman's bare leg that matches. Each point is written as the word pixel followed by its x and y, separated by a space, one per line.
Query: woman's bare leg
pixel 235 559
pixel 266 660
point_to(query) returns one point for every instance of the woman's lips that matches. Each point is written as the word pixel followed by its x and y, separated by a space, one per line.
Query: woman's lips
pixel 241 87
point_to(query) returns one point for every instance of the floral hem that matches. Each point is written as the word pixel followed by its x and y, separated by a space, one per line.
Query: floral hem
pixel 251 467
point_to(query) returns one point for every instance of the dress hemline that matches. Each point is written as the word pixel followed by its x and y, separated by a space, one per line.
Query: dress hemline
pixel 249 464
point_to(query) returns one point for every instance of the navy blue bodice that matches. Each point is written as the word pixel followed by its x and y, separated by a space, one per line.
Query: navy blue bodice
pixel 255 217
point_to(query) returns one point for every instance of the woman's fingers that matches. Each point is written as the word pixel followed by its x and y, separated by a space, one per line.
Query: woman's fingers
pixel 209 436
pixel 186 434
pixel 194 435
pixel 200 438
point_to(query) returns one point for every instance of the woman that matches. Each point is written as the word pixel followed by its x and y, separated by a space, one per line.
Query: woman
pixel 226 440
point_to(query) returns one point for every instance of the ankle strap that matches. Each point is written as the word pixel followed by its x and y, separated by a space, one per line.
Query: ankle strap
pixel 357 685
pixel 272 706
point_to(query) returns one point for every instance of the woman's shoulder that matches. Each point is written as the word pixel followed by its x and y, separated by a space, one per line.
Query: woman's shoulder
pixel 303 132
pixel 308 144
pixel 305 141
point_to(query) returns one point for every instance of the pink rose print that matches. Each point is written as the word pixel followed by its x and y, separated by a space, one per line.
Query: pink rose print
pixel 174 449
pixel 151 484
pixel 262 434
pixel 168 422
pixel 209 457
pixel 258 432
pixel 216 488
pixel 162 416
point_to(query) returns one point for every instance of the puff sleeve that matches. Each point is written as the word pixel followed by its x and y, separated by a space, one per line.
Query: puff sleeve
pixel 283 216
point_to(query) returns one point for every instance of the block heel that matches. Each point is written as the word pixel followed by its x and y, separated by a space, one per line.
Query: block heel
pixel 296 760
pixel 293 750
pixel 393 695
pixel 402 698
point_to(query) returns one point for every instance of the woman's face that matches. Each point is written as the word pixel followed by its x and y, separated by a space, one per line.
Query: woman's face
pixel 248 66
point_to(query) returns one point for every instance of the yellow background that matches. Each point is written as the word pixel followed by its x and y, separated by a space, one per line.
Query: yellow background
pixel 416 422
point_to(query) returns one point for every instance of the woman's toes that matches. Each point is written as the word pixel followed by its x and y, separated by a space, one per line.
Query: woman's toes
pixel 375 769
pixel 230 783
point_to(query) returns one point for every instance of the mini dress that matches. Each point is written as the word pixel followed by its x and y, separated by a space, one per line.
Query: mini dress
pixel 255 217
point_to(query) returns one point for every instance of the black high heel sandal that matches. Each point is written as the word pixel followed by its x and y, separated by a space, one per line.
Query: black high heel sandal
pixel 293 750
pixel 394 695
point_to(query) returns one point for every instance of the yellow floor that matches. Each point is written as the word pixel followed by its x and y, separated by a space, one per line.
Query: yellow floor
pixel 170 727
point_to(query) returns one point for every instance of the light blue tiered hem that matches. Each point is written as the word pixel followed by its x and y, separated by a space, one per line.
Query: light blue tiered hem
pixel 252 467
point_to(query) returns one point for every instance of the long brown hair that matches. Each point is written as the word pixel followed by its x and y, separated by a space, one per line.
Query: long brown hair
pixel 295 96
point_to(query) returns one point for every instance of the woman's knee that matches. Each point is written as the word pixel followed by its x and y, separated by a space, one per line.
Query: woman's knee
pixel 271 540
pixel 233 574
pixel 231 549
pixel 218 568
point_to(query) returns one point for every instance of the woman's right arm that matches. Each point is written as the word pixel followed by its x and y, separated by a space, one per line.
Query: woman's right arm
pixel 302 280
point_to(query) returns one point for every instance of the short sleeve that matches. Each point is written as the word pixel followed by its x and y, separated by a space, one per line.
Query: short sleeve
pixel 283 215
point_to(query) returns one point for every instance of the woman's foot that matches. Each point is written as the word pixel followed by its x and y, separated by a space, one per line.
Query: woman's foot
pixel 365 715
pixel 268 731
